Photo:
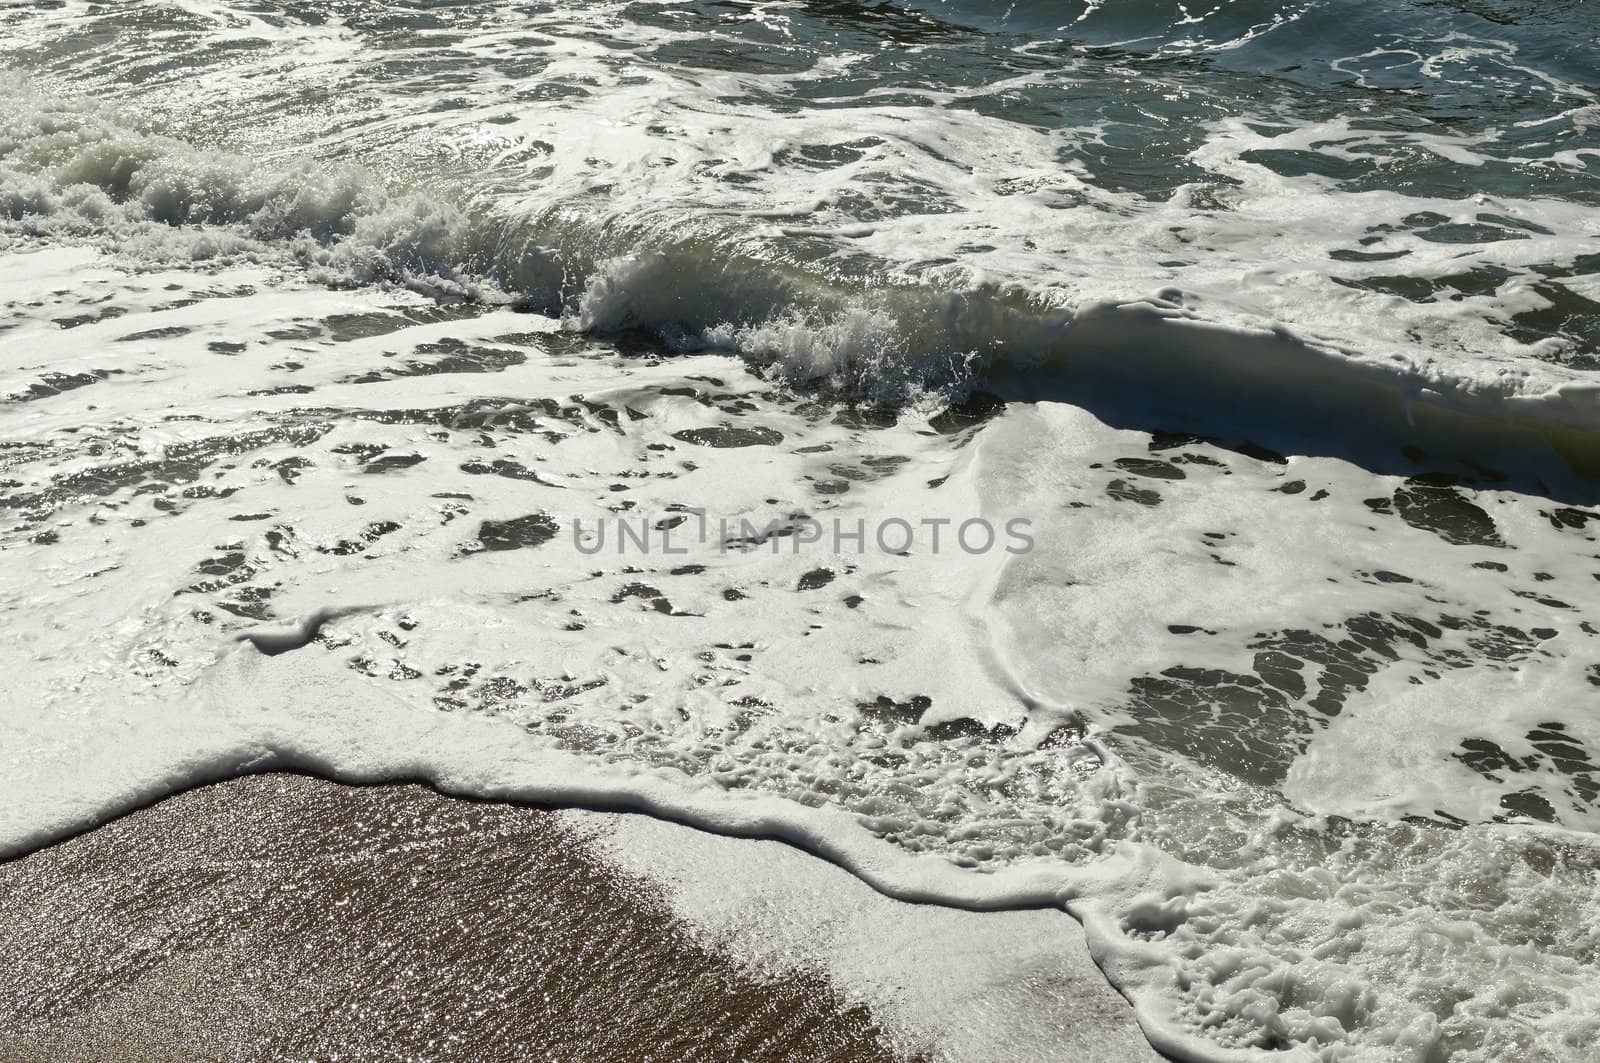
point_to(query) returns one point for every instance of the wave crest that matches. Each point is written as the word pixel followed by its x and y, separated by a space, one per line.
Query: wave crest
pixel 74 169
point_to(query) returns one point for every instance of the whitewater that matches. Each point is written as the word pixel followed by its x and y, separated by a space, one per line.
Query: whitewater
pixel 327 330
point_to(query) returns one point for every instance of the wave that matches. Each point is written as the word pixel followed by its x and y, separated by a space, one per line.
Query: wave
pixel 76 170
pixel 1150 362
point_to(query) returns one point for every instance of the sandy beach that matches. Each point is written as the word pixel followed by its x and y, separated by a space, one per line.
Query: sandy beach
pixel 284 917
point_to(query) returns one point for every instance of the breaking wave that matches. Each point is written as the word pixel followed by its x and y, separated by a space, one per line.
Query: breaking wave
pixel 74 169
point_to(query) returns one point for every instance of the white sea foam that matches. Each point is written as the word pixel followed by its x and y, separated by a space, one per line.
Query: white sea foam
pixel 524 674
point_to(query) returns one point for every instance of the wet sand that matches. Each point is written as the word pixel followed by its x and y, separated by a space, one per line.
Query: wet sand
pixel 285 917
pixel 281 916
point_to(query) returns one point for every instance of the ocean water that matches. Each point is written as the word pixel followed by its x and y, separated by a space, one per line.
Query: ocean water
pixel 516 376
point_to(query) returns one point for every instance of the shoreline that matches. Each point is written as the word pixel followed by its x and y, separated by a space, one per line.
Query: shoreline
pixel 225 919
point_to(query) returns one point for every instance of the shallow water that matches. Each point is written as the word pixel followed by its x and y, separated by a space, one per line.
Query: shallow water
pixel 1274 325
